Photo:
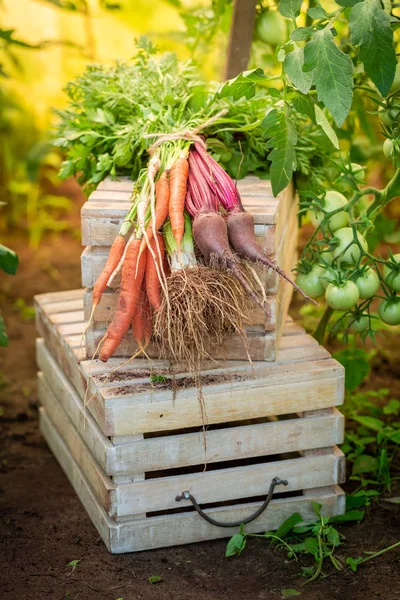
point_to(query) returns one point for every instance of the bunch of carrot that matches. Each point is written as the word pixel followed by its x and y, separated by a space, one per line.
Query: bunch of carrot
pixel 191 180
pixel 142 259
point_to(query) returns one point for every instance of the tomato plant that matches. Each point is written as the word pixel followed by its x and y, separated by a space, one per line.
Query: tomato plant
pixel 331 203
pixel 335 66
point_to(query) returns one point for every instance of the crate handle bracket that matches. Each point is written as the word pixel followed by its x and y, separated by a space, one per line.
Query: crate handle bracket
pixel 187 496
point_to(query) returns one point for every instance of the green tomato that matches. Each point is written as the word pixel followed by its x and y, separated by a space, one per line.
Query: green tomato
pixel 352 254
pixel 384 117
pixel 342 297
pixel 327 277
pixel 332 201
pixel 271 28
pixel 358 172
pixel 389 311
pixel 388 116
pixel 388 148
pixel 326 257
pixel 368 283
pixel 310 282
pixel 359 324
pixel 392 276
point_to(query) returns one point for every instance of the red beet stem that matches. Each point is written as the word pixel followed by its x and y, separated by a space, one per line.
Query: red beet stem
pixel 240 226
pixel 211 237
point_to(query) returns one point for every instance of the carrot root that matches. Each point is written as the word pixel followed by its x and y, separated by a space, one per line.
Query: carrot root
pixel 131 282
pixel 178 181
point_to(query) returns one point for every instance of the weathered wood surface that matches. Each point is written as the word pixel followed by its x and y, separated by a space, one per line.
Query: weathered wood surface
pixel 304 377
pixel 137 454
pixel 94 258
pixel 169 530
pixel 220 485
pixel 102 215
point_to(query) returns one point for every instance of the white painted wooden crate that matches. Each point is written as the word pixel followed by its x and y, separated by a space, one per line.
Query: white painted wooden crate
pixel 135 446
pixel 275 228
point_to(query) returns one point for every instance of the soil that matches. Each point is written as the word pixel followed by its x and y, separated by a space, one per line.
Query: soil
pixel 44 527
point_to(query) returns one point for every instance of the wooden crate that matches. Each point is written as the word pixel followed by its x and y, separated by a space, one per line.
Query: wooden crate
pixel 276 230
pixel 134 447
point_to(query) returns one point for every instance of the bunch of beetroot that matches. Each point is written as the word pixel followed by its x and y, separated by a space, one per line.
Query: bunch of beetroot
pixel 223 236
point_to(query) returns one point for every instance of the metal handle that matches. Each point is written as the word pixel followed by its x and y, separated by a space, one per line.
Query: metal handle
pixel 274 482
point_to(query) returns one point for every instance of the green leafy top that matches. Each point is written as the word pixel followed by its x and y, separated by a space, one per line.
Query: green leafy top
pixel 115 113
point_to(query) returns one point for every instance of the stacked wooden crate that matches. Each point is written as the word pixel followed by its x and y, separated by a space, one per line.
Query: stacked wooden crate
pixel 130 436
pixel 276 230
pixel 130 445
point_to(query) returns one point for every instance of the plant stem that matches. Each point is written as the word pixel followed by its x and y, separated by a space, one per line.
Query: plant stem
pixel 364 560
pixel 319 333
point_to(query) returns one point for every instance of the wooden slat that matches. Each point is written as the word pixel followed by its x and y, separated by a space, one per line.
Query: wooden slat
pixel 184 528
pixel 261 346
pixel 103 214
pixel 65 394
pixel 227 484
pixel 134 454
pixel 124 415
pixel 291 384
pixel 133 498
pixel 100 483
pixel 105 310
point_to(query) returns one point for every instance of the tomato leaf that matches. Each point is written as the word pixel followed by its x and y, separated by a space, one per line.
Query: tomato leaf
pixel 333 73
pixel 293 63
pixel 370 29
pixel 316 12
pixel 301 33
pixel 347 3
pixel 304 105
pixel 283 138
pixel 326 126
pixel 244 85
pixel 290 8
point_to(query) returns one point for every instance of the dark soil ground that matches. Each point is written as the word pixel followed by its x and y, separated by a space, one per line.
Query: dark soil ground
pixel 44 527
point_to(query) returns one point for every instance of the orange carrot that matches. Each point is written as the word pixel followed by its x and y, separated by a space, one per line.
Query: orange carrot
pixel 178 180
pixel 131 282
pixel 116 252
pixel 142 322
pixel 152 281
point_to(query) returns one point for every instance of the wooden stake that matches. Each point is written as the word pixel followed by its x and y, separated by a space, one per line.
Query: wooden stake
pixel 241 36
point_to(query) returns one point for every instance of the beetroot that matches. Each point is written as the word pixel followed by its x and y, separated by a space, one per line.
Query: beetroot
pixel 211 237
pixel 242 238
